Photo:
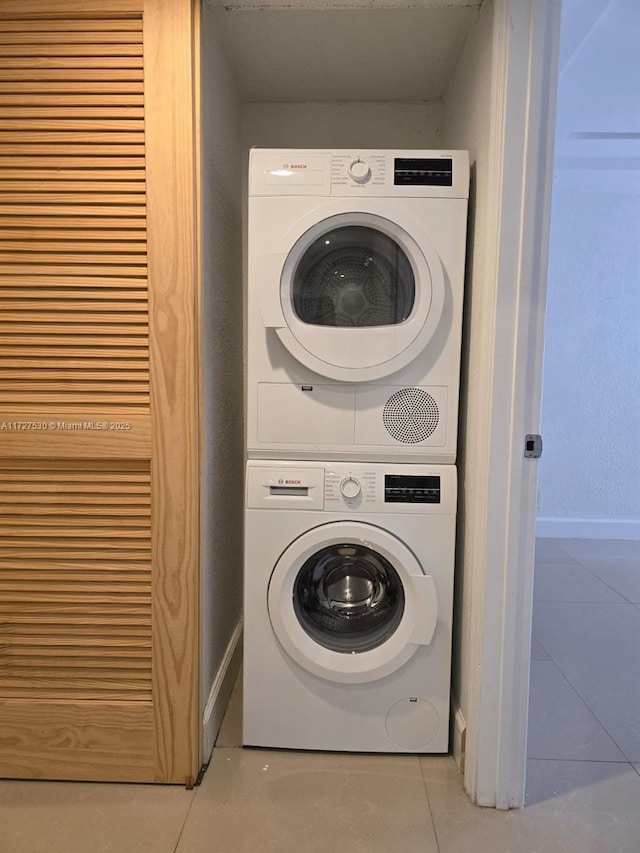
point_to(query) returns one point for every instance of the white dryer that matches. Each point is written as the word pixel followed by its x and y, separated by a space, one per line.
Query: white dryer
pixel 355 292
pixel 348 606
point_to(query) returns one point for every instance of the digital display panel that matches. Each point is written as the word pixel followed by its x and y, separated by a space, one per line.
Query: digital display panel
pixel 411 489
pixel 423 172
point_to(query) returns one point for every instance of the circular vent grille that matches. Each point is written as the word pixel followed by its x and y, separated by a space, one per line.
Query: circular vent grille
pixel 410 415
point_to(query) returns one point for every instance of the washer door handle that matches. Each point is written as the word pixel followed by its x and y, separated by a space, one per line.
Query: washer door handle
pixel 426 615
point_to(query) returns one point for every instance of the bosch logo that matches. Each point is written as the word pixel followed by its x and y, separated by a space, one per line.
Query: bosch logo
pixel 296 166
pixel 292 482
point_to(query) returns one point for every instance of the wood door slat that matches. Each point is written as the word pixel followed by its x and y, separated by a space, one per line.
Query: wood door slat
pixel 98 345
pixel 83 256
pixel 118 569
pixel 113 74
pixel 77 326
pixel 55 373
pixel 74 122
pixel 80 224
pixel 83 24
pixel 31 187
pixel 25 296
pixel 39 134
pixel 18 210
pixel 67 178
pixel 79 269
pixel 67 357
pixel 94 583
pixel 67 60
pixel 118 49
pixel 45 99
pixel 68 39
pixel 24 115
pixel 96 283
pixel 63 87
pixel 92 162
pixel 40 238
pixel 73 149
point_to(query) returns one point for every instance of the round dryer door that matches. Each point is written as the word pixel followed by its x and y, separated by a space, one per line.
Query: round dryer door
pixel 350 603
pixel 359 297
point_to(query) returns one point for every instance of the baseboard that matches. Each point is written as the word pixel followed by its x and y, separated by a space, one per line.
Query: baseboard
pixel 459 736
pixel 220 692
pixel 587 528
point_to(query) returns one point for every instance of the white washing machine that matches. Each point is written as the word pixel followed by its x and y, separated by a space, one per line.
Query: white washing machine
pixel 348 606
pixel 355 292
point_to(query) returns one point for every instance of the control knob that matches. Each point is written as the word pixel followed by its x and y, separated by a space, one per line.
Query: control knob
pixel 359 171
pixel 350 487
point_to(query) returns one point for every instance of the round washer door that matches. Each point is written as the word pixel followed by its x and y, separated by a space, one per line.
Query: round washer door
pixel 359 297
pixel 350 603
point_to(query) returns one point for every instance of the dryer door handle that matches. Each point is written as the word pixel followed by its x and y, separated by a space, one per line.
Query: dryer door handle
pixel 267 277
pixel 426 616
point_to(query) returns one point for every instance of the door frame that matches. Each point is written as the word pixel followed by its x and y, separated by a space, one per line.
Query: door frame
pixel 525 72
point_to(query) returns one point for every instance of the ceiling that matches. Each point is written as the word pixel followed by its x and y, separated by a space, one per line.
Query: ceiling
pixel 354 50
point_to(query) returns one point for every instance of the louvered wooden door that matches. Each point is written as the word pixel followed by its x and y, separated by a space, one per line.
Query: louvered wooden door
pixel 98 427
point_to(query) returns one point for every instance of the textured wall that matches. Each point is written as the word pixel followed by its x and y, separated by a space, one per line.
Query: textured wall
pixel 591 400
pixel 466 125
pixel 222 405
pixel 591 394
pixel 368 124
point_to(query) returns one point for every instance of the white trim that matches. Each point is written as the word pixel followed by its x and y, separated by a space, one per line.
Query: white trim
pixel 221 691
pixel 525 50
pixel 588 528
pixel 458 738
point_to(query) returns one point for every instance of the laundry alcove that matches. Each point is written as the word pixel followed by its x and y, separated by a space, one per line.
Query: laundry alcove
pixel 361 74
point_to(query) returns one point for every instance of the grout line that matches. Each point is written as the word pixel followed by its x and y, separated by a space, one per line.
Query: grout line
pixel 587 706
pixel 426 792
pixel 184 822
pixel 577 601
pixel 584 760
pixel 543 649
pixel 593 574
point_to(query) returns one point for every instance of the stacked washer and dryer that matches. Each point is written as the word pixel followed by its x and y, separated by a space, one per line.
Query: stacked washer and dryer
pixel 355 292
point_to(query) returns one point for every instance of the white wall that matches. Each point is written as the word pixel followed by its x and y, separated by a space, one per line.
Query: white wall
pixel 222 380
pixel 466 125
pixel 589 479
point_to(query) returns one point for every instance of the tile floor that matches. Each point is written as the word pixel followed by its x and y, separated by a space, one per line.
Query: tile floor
pixel 583 784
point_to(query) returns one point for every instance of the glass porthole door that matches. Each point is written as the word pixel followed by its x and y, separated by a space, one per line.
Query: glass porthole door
pixel 358 297
pixel 348 597
pixel 353 276
pixel 350 603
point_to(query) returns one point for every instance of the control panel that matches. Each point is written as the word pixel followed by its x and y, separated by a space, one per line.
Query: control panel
pixel 355 489
pixel 372 489
pixel 355 170
pixel 408 173
pixel 352 173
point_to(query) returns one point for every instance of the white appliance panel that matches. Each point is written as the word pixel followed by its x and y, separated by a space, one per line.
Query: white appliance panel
pixel 299 692
pixel 305 414
pixel 289 354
